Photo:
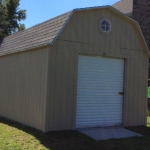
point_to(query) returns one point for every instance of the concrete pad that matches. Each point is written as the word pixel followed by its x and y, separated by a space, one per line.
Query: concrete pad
pixel 108 133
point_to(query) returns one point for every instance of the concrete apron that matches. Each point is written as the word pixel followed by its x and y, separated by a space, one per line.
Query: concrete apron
pixel 108 133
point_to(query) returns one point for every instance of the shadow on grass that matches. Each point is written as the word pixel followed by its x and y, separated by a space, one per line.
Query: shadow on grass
pixel 73 140
pixel 56 140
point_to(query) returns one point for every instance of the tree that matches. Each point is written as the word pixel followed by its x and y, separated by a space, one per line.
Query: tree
pixel 21 27
pixel 3 19
pixel 10 16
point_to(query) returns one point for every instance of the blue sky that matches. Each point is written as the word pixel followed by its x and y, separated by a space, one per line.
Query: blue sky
pixel 42 10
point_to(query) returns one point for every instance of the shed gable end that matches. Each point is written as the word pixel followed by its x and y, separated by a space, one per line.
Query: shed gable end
pixel 84 27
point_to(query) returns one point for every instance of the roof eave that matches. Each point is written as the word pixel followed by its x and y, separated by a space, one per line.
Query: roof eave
pixel 26 49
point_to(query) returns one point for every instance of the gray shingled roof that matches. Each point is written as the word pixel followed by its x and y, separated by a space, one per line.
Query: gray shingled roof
pixel 35 36
pixel 125 6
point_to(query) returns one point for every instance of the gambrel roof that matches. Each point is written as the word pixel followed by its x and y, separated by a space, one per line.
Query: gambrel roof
pixel 35 36
pixel 47 32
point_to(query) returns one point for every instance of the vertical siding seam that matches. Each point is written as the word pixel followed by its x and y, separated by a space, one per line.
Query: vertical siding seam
pixel 129 29
pixel 34 121
pixel 15 80
pixel 40 57
pixel 111 37
pixel 124 113
pixel 79 24
pixel 125 35
pixel 110 41
pixel 130 38
pixel 69 69
pixel 68 86
pixel 29 92
pixel 36 88
pixel 43 77
pixel 52 87
pixel 55 86
pixel 39 113
pixel 29 102
pixel 76 27
pixel 88 29
pixel 13 114
pixel 45 117
pixel 61 84
pixel 83 27
pixel 73 124
pixel 24 95
pixel 98 31
pixel 18 94
pixel 50 101
pixel 121 23
pixel 49 78
pixel 116 22
pixel 94 31
pixel 75 88
pixel 118 27
pixel 128 98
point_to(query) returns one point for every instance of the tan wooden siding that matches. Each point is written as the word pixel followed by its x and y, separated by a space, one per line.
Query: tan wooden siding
pixel 82 36
pixel 61 86
pixel 23 86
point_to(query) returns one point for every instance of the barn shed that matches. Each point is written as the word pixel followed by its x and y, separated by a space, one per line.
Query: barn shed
pixel 85 68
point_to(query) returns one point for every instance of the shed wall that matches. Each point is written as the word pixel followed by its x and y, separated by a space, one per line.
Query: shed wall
pixel 23 86
pixel 81 35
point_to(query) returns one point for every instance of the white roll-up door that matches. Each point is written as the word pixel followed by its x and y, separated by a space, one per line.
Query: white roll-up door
pixel 99 91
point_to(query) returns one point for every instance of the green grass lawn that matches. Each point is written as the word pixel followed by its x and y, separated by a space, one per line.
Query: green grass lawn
pixel 148 121
pixel 14 136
